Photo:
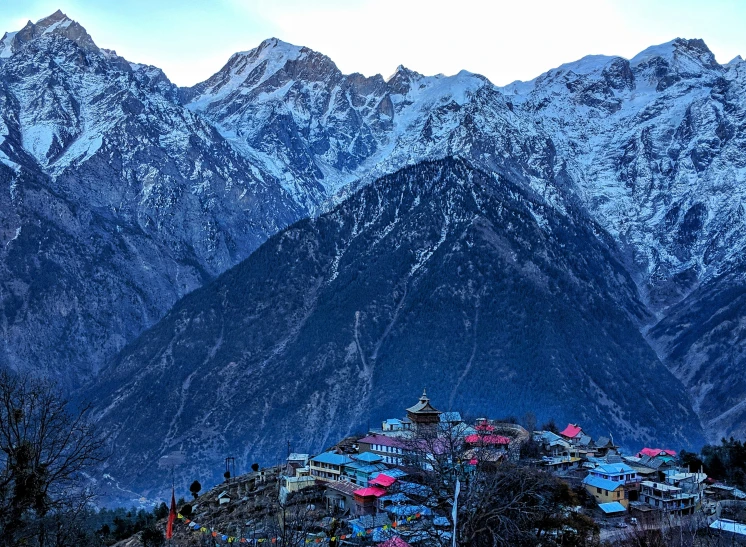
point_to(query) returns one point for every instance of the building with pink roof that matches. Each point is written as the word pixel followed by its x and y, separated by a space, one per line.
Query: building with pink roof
pixel 572 431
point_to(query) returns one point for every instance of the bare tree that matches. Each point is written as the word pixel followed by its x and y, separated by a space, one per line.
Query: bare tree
pixel 500 503
pixel 45 447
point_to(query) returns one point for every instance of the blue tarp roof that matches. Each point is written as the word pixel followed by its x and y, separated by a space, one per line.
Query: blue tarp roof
pixel 611 507
pixel 415 489
pixel 408 510
pixel 441 521
pixel 368 457
pixel 396 498
pixel 331 458
pixel 615 468
pixel 598 482
pixel 393 473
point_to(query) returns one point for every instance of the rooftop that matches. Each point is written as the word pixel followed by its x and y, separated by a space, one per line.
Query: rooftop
pixel 614 469
pixel 382 440
pixel 585 440
pixel 423 406
pixel 382 480
pixel 487 439
pixel 395 541
pixel 368 457
pixel 611 507
pixel 571 431
pixel 332 458
pixel 345 487
pixel 396 498
pixel 394 473
pixel 414 489
pixel 656 452
pixel 409 510
pixel 676 475
pixel 661 486
pixel 370 491
pixel 598 482
pixel 371 521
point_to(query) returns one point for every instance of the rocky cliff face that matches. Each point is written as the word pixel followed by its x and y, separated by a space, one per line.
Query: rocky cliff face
pixel 440 275
pixel 121 193
pixel 291 110
pixel 116 200
pixel 655 148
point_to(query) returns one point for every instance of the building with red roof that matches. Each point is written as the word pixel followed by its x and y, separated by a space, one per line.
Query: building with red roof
pixel 366 499
pixel 486 440
pixel 390 449
pixel 382 480
pixel 657 452
pixel 572 431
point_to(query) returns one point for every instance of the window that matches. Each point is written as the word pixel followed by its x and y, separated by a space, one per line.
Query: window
pixel 598 490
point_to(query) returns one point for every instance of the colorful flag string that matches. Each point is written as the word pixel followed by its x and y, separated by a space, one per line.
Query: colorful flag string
pixel 232 539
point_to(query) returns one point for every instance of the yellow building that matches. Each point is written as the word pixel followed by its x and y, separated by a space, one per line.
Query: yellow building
pixel 328 466
pixel 611 482
pixel 605 490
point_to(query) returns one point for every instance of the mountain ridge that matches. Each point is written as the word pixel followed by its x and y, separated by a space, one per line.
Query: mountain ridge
pixel 123 193
pixel 440 275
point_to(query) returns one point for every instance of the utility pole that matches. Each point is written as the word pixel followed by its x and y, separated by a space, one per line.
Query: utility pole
pixel 230 468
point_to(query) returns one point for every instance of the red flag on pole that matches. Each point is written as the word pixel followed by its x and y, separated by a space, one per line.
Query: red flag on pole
pixel 171 517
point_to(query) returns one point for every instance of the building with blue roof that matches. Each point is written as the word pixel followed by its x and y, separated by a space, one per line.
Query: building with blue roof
pixel 616 471
pixel 605 490
pixel 612 509
pixel 328 466
pixel 360 472
pixel 368 457
pixel 613 482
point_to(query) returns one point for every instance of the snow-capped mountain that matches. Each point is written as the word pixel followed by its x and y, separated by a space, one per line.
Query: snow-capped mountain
pixel 121 193
pixel 291 110
pixel 652 147
pixel 116 200
pixel 655 147
pixel 440 276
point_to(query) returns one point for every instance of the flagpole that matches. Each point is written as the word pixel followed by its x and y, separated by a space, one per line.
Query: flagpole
pixel 454 512
pixel 171 511
pixel 170 540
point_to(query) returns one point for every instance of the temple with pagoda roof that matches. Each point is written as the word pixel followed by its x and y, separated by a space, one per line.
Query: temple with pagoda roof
pixel 423 414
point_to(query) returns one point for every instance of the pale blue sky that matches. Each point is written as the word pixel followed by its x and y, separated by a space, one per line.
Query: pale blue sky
pixel 192 39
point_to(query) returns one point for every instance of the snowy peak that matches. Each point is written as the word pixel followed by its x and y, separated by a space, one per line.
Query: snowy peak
pixel 273 62
pixel 51 22
pixel 660 66
pixel 680 59
pixel 401 80
pixel 56 24
pixel 7 45
pixel 681 51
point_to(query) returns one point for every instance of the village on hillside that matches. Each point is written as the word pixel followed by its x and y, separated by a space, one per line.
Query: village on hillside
pixel 406 482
